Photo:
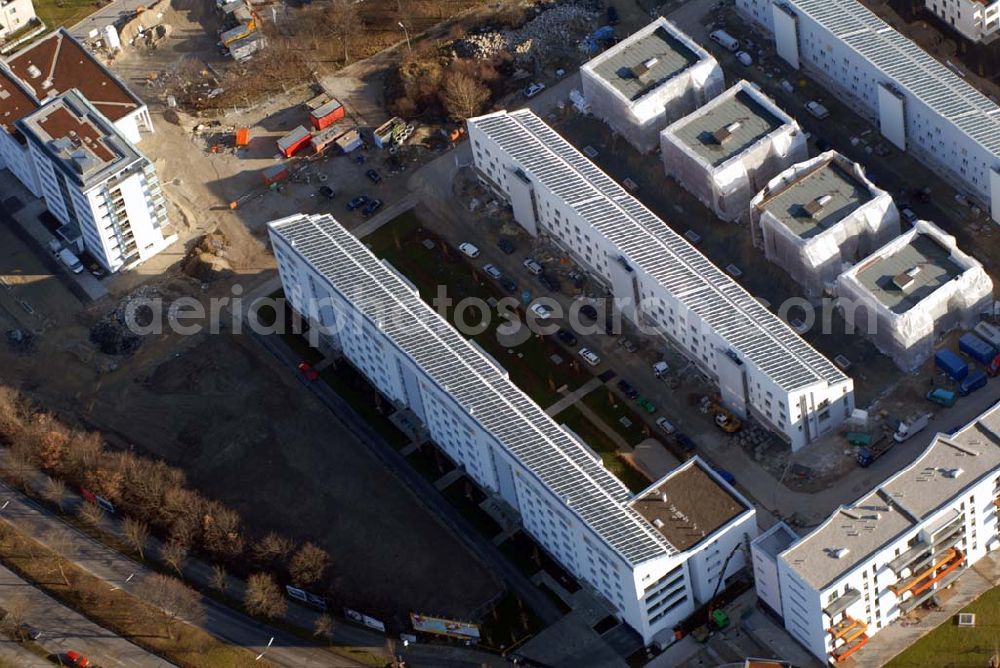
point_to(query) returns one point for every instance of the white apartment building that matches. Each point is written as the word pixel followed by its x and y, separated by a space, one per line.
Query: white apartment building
pixel 659 280
pixel 919 104
pixel 819 215
pixel 909 292
pixel 648 80
pixel 975 20
pixel 726 151
pixel 14 15
pixel 653 556
pixel 16 102
pixel 95 182
pixel 896 547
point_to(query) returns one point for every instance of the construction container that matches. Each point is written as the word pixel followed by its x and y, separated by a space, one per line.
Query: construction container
pixel 951 364
pixel 324 138
pixel 976 348
pixel 989 333
pixel 242 137
pixel 293 141
pixel 242 49
pixel 385 134
pixel 349 141
pixel 274 174
pixel 326 115
pixel 239 32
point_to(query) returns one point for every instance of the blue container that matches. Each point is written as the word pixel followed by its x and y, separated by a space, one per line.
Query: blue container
pixel 976 348
pixel 951 364
pixel 976 380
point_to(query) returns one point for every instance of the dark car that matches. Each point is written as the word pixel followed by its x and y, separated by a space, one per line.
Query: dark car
pixel 506 246
pixel 360 200
pixel 627 389
pixel 327 192
pixel 508 285
pixel 371 207
pixel 28 632
pixel 588 312
pixel 566 337
pixel 548 282
pixel 612 14
pixel 374 176
pixel 684 441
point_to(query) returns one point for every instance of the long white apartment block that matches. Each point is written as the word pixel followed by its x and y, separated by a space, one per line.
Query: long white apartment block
pixel 762 367
pixel 95 182
pixel 653 556
pixel 648 80
pixel 912 290
pixel 726 151
pixel 895 548
pixel 919 104
pixel 975 20
pixel 820 215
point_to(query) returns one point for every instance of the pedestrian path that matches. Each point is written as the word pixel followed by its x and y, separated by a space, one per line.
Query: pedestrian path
pixel 573 397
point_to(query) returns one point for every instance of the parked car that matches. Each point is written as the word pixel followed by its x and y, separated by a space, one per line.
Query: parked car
pixel 725 40
pixel 307 371
pixel 548 282
pixel 566 337
pixel 942 397
pixel 542 311
pixel 817 109
pixel 589 312
pixel 665 424
pixel 684 442
pixel 508 285
pixel 532 265
pixel 76 660
pixel 370 208
pixel 469 249
pixel 660 369
pixel 506 246
pixel 612 15
pixel 356 202
pixel 589 356
pixel 374 176
pixel 787 86
pixel 908 215
pixel 492 271
pixel 70 260
pixel 627 389
pixel 533 90
pixel 646 405
pixel 28 632
pixel 327 192
pixel 745 58
pixel 726 475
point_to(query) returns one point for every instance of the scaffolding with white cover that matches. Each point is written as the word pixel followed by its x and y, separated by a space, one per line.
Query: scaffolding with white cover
pixel 819 215
pixel 649 80
pixel 913 290
pixel 726 151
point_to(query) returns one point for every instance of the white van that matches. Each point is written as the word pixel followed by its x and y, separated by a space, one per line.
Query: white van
pixel 817 109
pixel 71 261
pixel 725 40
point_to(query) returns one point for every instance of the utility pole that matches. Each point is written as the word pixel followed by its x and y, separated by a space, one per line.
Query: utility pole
pixel 406 34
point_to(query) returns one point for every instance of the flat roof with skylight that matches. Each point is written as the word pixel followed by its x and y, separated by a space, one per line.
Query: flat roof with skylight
pixel 818 200
pixel 908 274
pixel 728 125
pixel 642 63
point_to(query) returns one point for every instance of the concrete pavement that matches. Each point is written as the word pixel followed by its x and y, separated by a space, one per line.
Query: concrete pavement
pixel 104 16
pixel 65 629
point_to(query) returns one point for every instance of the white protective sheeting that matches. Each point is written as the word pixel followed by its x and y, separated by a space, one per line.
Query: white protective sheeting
pixel 683 77
pixel 908 336
pixel 728 182
pixel 852 217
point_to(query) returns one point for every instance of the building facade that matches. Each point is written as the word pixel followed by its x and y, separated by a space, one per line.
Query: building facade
pixel 14 15
pixel 726 151
pixel 895 548
pixel 919 104
pixel 648 80
pixel 820 215
pixel 975 20
pixel 631 549
pixel 912 290
pixel 659 280
pixel 96 183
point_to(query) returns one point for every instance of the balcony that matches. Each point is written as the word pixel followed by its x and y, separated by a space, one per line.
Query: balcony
pixel 852 633
pixel 900 563
pixel 948 531
pixel 842 602
pixel 847 629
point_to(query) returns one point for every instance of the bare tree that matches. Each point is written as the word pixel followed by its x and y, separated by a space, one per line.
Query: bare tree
pixel 463 96
pixel 323 627
pixel 54 492
pixel 59 541
pixel 176 601
pixel 137 533
pixel 272 549
pixel 173 554
pixel 308 565
pixel 264 597
pixel 343 22
pixel 221 531
pixel 17 608
pixel 90 513
pixel 218 578
pixel 12 413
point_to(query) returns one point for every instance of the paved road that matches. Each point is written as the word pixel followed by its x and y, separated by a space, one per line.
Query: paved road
pixel 65 629
pixel 113 567
pixel 106 16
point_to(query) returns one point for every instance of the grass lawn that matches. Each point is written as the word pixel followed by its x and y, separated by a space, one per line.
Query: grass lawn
pixel 604 446
pixel 57 13
pixel 949 646
pixel 529 364
pixel 611 407
pixel 117 611
pixel 510 622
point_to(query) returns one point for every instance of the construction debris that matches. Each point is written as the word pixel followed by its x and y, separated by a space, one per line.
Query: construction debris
pixel 553 31
pixel 112 334
pixel 207 260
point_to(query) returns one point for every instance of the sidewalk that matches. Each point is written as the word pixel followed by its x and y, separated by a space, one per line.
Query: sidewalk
pixel 574 396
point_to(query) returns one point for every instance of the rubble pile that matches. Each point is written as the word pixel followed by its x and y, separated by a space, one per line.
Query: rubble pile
pixel 207 260
pixel 553 31
pixel 112 334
